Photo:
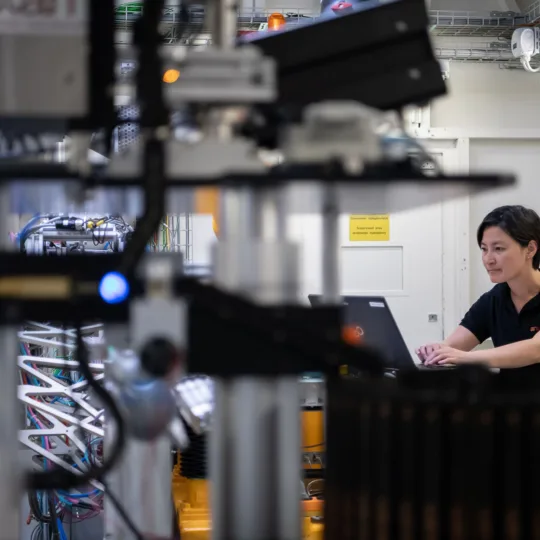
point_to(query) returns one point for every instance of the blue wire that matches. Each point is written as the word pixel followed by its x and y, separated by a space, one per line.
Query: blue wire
pixel 78 495
pixel 24 230
pixel 61 529
pixel 84 458
pixel 36 425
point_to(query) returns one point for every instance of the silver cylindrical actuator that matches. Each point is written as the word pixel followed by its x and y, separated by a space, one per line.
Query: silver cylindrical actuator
pixel 331 287
pixel 255 437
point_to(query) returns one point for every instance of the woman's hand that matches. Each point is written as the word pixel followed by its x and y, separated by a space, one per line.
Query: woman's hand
pixel 425 351
pixel 444 355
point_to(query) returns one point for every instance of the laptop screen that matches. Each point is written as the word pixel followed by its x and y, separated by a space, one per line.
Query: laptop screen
pixel 375 324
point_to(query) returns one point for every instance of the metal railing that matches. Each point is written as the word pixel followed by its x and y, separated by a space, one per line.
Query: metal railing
pixel 442 22
pixel 482 52
pixel 533 13
pixel 126 14
pixel 171 15
pixel 470 18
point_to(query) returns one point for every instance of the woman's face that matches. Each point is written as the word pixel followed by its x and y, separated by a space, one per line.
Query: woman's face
pixel 503 258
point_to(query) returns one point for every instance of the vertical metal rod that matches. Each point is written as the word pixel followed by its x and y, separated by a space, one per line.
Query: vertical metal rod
pixel 268 214
pixel 46 526
pixel 10 473
pixel 219 441
pixel 230 270
pixel 236 211
pixel 330 246
pixel 223 22
pixel 254 494
pixel 288 469
pixel 60 154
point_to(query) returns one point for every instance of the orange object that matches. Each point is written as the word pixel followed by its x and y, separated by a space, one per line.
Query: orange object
pixel 171 76
pixel 191 499
pixel 312 437
pixel 312 507
pixel 352 335
pixel 312 530
pixel 207 202
pixel 276 21
pixel 215 226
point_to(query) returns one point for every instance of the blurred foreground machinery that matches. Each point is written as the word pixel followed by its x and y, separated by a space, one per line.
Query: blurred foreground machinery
pixel 190 478
pixel 64 425
pixel 430 455
pixel 434 456
pixel 341 154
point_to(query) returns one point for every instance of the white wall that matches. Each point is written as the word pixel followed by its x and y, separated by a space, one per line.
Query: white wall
pixel 203 238
pixel 492 100
pixel 522 157
pixel 484 96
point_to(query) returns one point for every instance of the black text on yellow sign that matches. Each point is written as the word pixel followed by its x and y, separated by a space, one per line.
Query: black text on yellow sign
pixel 369 228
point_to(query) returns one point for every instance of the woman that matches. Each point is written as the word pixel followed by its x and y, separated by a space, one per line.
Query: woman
pixel 509 313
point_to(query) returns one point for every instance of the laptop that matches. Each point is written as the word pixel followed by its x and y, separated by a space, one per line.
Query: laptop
pixel 373 320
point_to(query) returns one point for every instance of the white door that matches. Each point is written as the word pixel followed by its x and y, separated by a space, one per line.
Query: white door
pixel 407 269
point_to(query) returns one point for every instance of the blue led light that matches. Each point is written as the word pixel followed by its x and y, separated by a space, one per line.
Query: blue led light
pixel 113 288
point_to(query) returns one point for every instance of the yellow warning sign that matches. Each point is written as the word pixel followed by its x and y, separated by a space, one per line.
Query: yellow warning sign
pixel 369 228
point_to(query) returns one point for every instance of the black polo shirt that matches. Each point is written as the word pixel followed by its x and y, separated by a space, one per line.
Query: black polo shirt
pixel 494 316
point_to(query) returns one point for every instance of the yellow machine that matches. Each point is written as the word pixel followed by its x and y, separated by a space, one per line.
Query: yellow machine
pixel 191 496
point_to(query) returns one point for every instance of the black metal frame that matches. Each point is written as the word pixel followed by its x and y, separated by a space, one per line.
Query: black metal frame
pixel 381 57
pixel 400 172
pixel 440 455
pixel 265 340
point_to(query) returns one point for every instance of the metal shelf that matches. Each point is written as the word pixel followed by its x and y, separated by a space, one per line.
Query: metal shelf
pixel 247 19
pixel 481 52
pixel 533 13
pixel 471 24
pixel 443 23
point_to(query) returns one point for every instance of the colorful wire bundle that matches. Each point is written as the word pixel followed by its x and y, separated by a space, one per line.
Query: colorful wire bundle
pixel 59 507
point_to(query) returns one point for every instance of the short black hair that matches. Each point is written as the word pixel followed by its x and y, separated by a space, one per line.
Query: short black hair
pixel 520 223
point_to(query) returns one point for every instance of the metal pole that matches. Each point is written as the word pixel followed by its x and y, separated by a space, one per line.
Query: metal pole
pixel 269 215
pixel 254 443
pixel 231 273
pixel 257 419
pixel 330 245
pixel 223 22
pixel 148 407
pixel 279 285
pixel 10 474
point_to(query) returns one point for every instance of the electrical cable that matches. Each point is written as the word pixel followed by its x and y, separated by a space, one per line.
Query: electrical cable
pixel 36 509
pixel 314 445
pixel 54 516
pixel 37 532
pixel 154 114
pixel 62 479
pixel 35 228
pixel 526 63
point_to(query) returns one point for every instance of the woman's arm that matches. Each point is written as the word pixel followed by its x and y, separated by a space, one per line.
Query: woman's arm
pixel 460 338
pixel 515 355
